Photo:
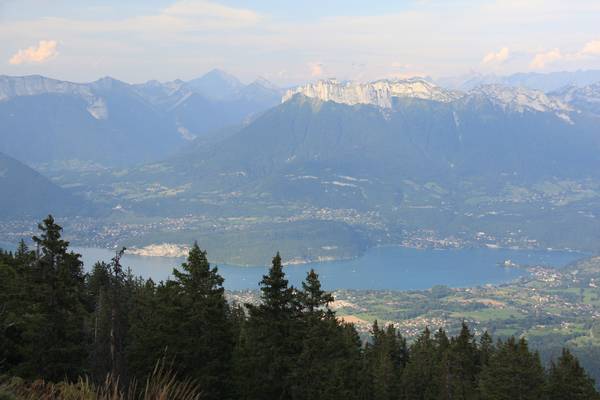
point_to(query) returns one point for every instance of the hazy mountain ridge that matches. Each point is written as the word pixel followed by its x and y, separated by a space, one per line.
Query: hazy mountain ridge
pixel 25 192
pixel 115 123
pixel 546 82
pixel 419 165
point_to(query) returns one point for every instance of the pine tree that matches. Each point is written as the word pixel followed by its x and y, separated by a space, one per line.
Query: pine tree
pixel 460 367
pixel 513 373
pixel 15 301
pixel 386 358
pixel 270 349
pixel 486 349
pixel 420 380
pixel 203 344
pixel 328 358
pixel 313 299
pixel 9 309
pixel 567 380
pixel 55 333
pixel 150 331
pixel 109 286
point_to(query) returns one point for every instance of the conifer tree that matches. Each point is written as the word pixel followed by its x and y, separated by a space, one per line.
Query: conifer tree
pixel 486 349
pixel 270 349
pixel 10 305
pixel 313 299
pixel 150 331
pixel 386 358
pixel 513 372
pixel 55 330
pixel 567 380
pixel 420 378
pixel 328 358
pixel 109 286
pixel 203 344
pixel 460 367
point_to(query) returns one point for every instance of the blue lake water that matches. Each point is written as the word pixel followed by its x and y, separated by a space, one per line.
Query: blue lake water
pixel 394 268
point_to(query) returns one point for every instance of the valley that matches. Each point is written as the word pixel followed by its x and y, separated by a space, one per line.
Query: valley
pixel 335 169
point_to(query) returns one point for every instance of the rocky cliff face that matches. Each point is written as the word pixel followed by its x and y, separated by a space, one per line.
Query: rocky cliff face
pixel 379 93
pixel 35 85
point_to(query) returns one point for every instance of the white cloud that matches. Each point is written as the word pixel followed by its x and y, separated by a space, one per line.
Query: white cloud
pixel 496 58
pixel 45 50
pixel 189 37
pixel 542 59
pixel 190 9
pixel 591 48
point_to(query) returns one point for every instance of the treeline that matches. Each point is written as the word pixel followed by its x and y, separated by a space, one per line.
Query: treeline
pixel 58 323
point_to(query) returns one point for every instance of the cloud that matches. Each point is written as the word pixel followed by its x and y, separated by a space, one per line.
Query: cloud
pixel 45 50
pixel 591 48
pixel 191 9
pixel 496 58
pixel 316 69
pixel 541 59
pixel 186 37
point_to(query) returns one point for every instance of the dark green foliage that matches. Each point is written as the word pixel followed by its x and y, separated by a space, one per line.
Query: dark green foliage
pixel 56 311
pixel 567 380
pixel 330 355
pixel 58 324
pixel 419 377
pixel 513 373
pixel 269 345
pixel 460 367
pixel 199 317
pixel 110 288
pixel 385 358
pixel 148 323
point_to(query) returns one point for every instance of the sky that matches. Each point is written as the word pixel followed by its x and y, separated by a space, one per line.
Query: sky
pixel 290 42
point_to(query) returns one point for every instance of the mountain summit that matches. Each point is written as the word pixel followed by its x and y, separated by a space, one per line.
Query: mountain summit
pixel 379 93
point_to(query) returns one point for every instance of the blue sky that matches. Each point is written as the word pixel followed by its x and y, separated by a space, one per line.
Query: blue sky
pixel 290 42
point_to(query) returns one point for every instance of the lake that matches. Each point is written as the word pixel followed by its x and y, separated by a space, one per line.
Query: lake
pixel 387 267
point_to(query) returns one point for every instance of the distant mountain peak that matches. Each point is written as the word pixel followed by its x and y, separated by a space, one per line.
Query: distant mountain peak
pixel 221 76
pixel 107 82
pixel 260 81
pixel 520 99
pixel 379 93
pixel 216 84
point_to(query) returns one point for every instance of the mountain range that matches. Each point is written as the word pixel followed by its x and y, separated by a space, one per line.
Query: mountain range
pixel 26 193
pixel 378 138
pixel 546 82
pixel 114 123
pixel 327 168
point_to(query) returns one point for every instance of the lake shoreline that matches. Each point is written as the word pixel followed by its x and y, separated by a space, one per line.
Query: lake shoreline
pixel 382 267
pixel 171 252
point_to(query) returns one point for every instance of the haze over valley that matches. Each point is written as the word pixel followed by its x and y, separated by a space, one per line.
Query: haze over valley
pixel 321 171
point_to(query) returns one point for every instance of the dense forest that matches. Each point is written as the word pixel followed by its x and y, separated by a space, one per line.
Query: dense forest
pixel 107 334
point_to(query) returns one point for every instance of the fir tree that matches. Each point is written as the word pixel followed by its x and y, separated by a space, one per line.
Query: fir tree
pixel 203 344
pixel 460 367
pixel 150 331
pixel 386 358
pixel 110 288
pixel 270 349
pixel 327 358
pixel 567 380
pixel 55 329
pixel 513 373
pixel 420 378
